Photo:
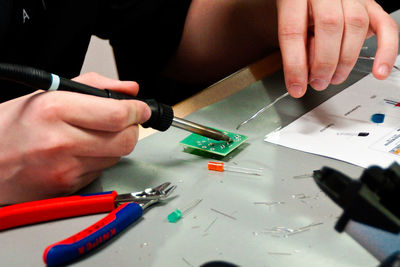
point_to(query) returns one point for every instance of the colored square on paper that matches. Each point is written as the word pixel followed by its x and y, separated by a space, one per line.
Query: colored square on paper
pixel 221 148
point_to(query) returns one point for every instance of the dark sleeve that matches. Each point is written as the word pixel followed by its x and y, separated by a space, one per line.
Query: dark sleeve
pixel 54 38
pixel 389 5
pixel 144 35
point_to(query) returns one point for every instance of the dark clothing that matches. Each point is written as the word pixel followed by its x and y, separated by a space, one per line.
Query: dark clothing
pixel 389 5
pixel 54 35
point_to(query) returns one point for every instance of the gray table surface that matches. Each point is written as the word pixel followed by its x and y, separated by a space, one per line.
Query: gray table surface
pixel 204 235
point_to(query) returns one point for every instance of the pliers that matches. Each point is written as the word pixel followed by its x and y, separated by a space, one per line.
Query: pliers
pixel 125 209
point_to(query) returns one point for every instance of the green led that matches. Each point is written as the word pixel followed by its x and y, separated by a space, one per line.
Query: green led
pixel 174 216
pixel 177 214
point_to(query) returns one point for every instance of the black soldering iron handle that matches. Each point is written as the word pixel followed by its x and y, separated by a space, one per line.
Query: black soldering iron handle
pixel 161 114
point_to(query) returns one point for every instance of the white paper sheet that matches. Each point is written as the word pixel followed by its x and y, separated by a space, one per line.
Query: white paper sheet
pixel 341 127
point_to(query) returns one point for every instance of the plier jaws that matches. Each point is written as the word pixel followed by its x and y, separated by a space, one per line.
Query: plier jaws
pixel 147 197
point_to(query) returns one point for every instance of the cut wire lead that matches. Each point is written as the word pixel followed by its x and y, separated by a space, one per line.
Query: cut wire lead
pixel 211 224
pixel 279 253
pixel 188 263
pixel 229 216
pixel 269 203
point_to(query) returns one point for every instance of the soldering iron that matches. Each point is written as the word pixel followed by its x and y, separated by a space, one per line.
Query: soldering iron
pixel 162 116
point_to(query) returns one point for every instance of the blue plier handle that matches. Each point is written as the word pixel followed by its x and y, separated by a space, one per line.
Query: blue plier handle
pixel 93 236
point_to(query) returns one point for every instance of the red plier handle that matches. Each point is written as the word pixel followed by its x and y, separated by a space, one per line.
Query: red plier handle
pixel 56 208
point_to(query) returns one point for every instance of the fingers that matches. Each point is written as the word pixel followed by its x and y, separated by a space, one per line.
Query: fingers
pixel 339 36
pixel 99 81
pixel 84 125
pixel 91 112
pixel 71 140
pixel 328 31
pixel 89 143
pixel 110 115
pixel 387 34
pixel 292 33
pixel 355 31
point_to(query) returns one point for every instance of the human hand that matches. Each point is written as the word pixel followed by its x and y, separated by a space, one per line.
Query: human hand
pixel 54 143
pixel 328 52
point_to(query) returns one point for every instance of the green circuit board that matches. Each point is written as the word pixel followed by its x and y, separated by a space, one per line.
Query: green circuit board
pixel 221 148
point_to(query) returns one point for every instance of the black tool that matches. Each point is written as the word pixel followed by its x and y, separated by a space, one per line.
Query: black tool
pixel 162 116
pixel 373 199
pixel 372 202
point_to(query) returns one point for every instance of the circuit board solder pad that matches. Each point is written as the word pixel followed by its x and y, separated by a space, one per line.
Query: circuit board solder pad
pixel 221 148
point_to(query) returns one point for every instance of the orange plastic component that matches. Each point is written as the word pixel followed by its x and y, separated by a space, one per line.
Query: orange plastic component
pixel 216 166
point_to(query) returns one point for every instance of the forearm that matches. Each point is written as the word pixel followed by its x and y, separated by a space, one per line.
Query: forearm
pixel 221 37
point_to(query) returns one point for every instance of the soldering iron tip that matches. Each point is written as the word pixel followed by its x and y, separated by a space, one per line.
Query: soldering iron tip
pixel 226 138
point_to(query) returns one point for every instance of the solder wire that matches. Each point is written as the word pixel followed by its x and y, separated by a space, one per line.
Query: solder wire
pixel 372 58
pixel 262 110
